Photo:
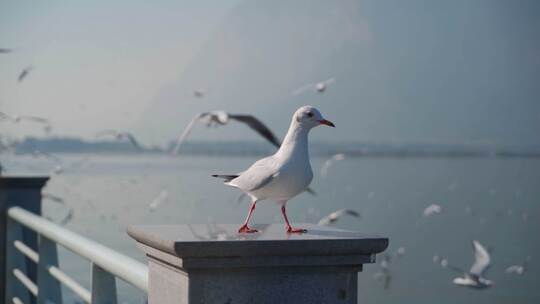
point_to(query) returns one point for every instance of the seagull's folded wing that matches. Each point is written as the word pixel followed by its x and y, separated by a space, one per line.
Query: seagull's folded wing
pixel 260 174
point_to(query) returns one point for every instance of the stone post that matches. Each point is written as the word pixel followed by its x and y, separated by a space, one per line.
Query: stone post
pixel 24 192
pixel 214 264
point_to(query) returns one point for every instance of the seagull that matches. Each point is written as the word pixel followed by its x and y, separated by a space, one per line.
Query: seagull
pixel 5 50
pixel 121 136
pixel 518 269
pixel 319 87
pixel 285 174
pixel 58 168
pixel 24 73
pixel 69 213
pixel 162 196
pixel 432 209
pixel 198 93
pixel 328 163
pixel 384 274
pixel 215 118
pixel 336 215
pixel 474 278
pixel 19 118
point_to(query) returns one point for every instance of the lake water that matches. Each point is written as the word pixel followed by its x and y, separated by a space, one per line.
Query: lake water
pixel 493 200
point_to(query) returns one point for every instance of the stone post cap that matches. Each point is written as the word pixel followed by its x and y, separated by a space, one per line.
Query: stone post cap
pixel 223 241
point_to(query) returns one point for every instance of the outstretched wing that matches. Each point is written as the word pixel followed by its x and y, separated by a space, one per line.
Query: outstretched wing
pixel 186 132
pixel 258 126
pixel 482 259
pixel 132 140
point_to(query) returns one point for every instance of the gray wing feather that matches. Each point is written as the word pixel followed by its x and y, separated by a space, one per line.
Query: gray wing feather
pixel 132 140
pixel 258 126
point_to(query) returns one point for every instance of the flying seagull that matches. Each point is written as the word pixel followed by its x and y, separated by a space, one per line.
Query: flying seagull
pixel 474 278
pixel 58 168
pixel 336 215
pixel 518 269
pixel 285 174
pixel 384 274
pixel 158 200
pixel 121 136
pixel 24 73
pixel 5 50
pixel 432 209
pixel 215 118
pixel 329 162
pixel 319 87
pixel 198 93
pixel 19 118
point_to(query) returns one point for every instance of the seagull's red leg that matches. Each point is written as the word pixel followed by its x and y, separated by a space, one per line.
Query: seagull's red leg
pixel 245 228
pixel 288 226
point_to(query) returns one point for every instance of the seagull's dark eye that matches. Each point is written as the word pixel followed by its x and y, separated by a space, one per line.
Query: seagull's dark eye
pixel 309 114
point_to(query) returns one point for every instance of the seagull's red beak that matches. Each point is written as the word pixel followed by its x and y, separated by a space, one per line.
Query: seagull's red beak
pixel 327 122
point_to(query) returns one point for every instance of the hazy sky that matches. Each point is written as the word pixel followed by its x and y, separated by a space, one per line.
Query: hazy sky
pixel 416 70
pixel 97 64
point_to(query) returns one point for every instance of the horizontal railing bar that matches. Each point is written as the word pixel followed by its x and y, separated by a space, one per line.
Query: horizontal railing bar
pixel 27 251
pixel 56 273
pixel 70 283
pixel 16 300
pixel 31 286
pixel 114 262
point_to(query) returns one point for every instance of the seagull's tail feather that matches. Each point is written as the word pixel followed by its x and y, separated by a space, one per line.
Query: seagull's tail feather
pixel 226 177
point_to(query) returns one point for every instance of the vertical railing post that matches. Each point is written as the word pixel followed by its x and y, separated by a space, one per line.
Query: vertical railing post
pixel 24 192
pixel 103 286
pixel 14 260
pixel 49 288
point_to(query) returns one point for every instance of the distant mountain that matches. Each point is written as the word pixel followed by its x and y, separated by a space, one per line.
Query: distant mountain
pixel 413 70
pixel 255 148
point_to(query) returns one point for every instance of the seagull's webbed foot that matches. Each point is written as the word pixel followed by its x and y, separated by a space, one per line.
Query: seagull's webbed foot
pixel 246 229
pixel 295 230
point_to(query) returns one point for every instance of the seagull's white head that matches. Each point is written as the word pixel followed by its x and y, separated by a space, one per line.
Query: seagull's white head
pixel 309 117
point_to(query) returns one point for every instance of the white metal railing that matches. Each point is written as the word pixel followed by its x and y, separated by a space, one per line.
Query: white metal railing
pixel 106 263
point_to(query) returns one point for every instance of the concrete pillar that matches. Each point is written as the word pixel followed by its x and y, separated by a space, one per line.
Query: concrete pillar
pixel 214 264
pixel 24 192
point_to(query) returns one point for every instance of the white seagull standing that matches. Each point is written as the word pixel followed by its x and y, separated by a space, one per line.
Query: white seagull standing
pixel 285 174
